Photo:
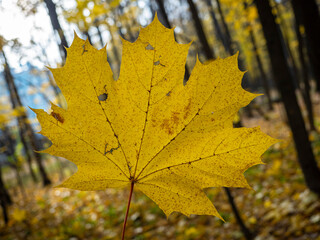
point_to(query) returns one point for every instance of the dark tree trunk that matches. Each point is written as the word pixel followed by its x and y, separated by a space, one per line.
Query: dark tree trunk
pixel 164 15
pixel 152 10
pixel 5 196
pixel 229 43
pixel 86 33
pixel 217 27
pixel 5 199
pixel 284 81
pixel 204 42
pixel 96 24
pixel 24 126
pixel 308 14
pixel 230 49
pixel 259 63
pixel 285 36
pixel 129 31
pixel 125 24
pixel 4 211
pixel 22 134
pixel 57 27
pixel 120 31
pixel 207 50
pixel 10 145
pixel 26 148
pixel 247 234
pixel 306 90
pixel 19 181
pixel 226 30
pixel 114 49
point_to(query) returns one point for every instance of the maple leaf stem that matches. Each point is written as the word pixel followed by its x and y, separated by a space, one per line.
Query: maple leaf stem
pixel 127 212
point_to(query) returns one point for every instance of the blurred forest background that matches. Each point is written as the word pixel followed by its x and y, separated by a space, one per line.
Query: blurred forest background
pixel 278 43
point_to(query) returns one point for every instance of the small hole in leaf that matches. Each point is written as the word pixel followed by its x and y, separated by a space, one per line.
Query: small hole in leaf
pixel 156 63
pixel 103 97
pixel 149 47
pixel 168 94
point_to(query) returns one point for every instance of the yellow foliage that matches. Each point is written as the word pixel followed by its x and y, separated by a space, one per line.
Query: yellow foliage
pixel 275 167
pixel 19 215
pixel 7 114
pixel 115 3
pixel 171 140
pixel 252 14
pixel 267 203
pixel 98 10
pixel 252 220
pixel 191 232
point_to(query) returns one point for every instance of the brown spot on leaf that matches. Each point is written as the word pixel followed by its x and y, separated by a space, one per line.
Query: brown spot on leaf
pixel 154 122
pixel 175 118
pixel 187 110
pixel 169 124
pixel 57 116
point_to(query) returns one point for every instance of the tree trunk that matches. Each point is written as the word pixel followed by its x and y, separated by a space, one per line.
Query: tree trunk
pixel 308 14
pixel 114 48
pixel 204 43
pixel 57 27
pixel 126 24
pixel 129 31
pixel 285 37
pixel 229 48
pixel 306 89
pixel 4 211
pixel 163 13
pixel 217 27
pixel 226 29
pixel 27 132
pixel 259 62
pixel 33 141
pixel 229 43
pixel 5 196
pixel 5 199
pixel 284 81
pixel 19 181
pixel 247 234
pixel 10 144
pixel 86 33
pixel 96 24
pixel 207 50
pixel 25 144
pixel 26 148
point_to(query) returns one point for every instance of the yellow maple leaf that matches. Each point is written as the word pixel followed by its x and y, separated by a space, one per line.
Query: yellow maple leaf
pixel 148 129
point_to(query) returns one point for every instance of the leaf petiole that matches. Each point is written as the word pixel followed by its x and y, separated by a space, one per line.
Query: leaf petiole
pixel 127 212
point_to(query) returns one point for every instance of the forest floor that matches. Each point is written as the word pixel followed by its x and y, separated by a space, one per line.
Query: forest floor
pixel 278 207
